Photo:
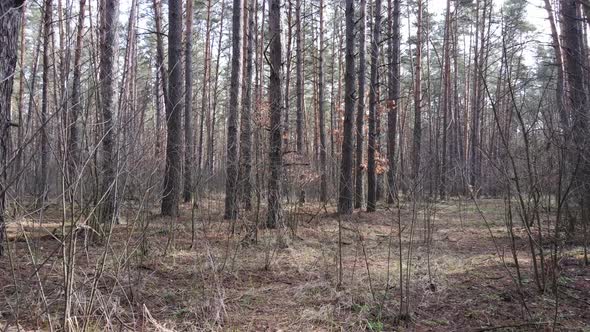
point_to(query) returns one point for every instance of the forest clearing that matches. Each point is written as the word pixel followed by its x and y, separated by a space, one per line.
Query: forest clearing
pixel 294 165
pixel 288 280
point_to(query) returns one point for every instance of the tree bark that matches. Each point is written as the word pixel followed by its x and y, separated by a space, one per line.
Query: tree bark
pixel 173 174
pixel 373 101
pixel 275 213
pixel 360 113
pixel 299 74
pixel 417 101
pixel 231 184
pixel 246 122
pixel 578 99
pixel 346 184
pixel 76 108
pixel 211 145
pixel 188 104
pixel 321 101
pixel 446 99
pixel 394 94
pixel 205 111
pixel 108 28
pixel 44 145
pixel 10 20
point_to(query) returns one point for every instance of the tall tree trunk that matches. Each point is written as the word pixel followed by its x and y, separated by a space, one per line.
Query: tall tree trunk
pixel 10 20
pixel 275 212
pixel 44 145
pixel 446 99
pixel 173 173
pixel 76 108
pixel 231 184
pixel 161 73
pixel 346 184
pixel 18 163
pixel 373 101
pixel 246 122
pixel 321 111
pixel 417 101
pixel 394 94
pixel 158 102
pixel 157 4
pixel 108 29
pixel 578 99
pixel 299 76
pixel 188 103
pixel 557 48
pixel 287 120
pixel 475 103
pixel 360 113
pixel 205 111
pixel 211 144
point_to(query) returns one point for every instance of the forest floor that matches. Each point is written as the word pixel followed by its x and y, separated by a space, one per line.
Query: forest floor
pixel 461 277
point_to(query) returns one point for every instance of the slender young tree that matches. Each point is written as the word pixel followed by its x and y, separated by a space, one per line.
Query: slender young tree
pixel 417 99
pixel 345 199
pixel 360 113
pixel 10 20
pixel 173 174
pixel 231 182
pixel 299 76
pixel 286 124
pixel 393 82
pixel 321 111
pixel 44 145
pixel 76 107
pixel 205 111
pixel 211 130
pixel 188 104
pixel 373 101
pixel 108 28
pixel 446 99
pixel 558 53
pixel 275 212
pixel 161 72
pixel 246 122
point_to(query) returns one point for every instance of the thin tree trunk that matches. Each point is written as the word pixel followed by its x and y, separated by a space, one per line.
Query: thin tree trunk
pixel 322 126
pixel 173 173
pixel 417 101
pixel 211 145
pixel 246 122
pixel 286 125
pixel 44 145
pixel 446 99
pixel 275 213
pixel 394 92
pixel 299 75
pixel 360 113
pixel 108 27
pixel 231 184
pixel 188 103
pixel 76 108
pixel 205 112
pixel 373 101
pixel 161 73
pixel 10 20
pixel 557 48
pixel 345 200
pixel 18 163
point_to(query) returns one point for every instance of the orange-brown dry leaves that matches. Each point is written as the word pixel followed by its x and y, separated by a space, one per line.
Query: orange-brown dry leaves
pixel 260 114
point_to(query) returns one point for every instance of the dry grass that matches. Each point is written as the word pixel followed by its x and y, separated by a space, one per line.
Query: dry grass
pixel 287 279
